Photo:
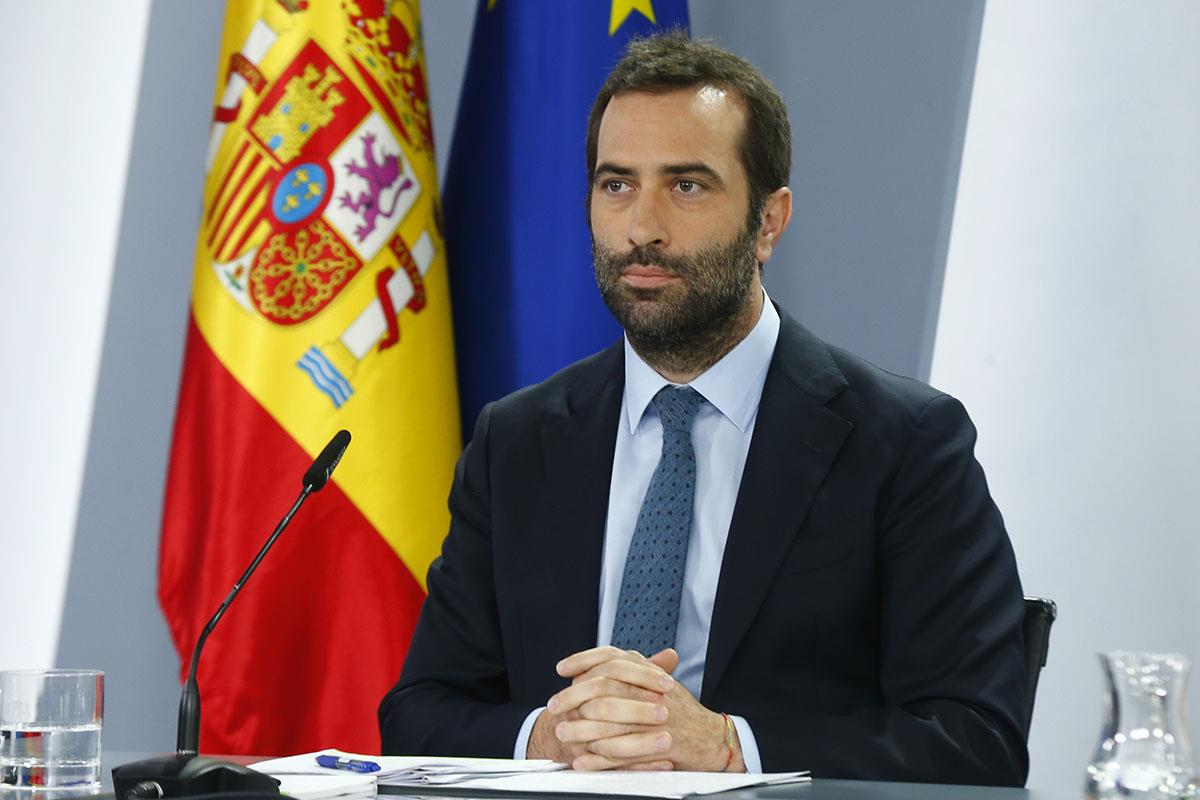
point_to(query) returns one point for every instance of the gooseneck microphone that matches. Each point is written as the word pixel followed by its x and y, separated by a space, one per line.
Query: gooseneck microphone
pixel 187 741
pixel 323 466
pixel 185 773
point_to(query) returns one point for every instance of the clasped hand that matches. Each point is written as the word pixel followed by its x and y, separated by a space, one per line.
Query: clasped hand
pixel 625 711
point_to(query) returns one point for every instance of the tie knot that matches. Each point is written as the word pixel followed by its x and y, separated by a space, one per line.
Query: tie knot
pixel 677 407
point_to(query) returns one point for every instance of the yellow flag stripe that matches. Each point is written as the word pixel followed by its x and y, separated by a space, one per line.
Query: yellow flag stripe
pixel 246 204
pixel 245 161
pixel 303 324
pixel 247 223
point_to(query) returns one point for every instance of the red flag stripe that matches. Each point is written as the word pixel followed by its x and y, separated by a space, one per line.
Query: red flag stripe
pixel 233 473
pixel 232 207
pixel 221 199
pixel 222 252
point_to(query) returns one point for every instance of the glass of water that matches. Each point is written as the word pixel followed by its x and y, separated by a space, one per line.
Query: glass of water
pixel 50 731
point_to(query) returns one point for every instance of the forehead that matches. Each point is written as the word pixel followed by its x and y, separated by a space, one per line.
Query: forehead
pixel 703 122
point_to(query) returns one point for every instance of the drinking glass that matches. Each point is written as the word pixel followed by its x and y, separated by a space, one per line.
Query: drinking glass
pixel 50 731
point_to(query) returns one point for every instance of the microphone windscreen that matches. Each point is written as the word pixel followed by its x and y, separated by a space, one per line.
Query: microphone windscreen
pixel 324 464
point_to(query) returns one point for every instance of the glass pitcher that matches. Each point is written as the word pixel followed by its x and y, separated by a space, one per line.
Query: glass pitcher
pixel 1144 749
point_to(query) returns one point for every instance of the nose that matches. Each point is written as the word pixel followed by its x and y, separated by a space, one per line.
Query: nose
pixel 647 225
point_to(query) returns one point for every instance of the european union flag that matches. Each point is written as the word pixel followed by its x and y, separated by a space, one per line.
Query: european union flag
pixel 525 301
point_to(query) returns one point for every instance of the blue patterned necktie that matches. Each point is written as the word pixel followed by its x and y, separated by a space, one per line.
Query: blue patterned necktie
pixel 648 607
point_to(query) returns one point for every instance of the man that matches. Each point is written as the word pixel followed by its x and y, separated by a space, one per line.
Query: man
pixel 721 544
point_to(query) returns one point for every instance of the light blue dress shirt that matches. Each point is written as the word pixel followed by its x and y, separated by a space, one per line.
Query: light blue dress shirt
pixel 721 437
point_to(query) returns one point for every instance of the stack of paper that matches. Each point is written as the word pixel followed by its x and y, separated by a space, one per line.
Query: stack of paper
pixel 344 786
pixel 673 785
pixel 304 780
pixel 449 771
pixel 301 778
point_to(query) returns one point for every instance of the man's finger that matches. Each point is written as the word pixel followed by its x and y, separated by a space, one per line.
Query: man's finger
pixel 649 745
pixel 591 762
pixel 577 694
pixel 636 673
pixel 584 660
pixel 619 709
pixel 667 660
pixel 587 730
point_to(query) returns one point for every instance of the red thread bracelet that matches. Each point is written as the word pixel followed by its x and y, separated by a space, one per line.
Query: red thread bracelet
pixel 729 740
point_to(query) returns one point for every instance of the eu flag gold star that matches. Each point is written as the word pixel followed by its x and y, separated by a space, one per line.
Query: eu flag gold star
pixel 621 9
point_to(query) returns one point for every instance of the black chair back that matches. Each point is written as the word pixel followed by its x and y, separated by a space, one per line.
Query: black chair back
pixel 1040 613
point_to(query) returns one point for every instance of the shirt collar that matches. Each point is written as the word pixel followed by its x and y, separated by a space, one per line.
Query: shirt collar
pixel 733 385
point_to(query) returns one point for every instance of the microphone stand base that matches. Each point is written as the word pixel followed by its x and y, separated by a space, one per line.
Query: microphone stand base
pixel 185 775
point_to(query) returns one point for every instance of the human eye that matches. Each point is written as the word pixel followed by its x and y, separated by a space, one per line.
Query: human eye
pixel 688 186
pixel 614 186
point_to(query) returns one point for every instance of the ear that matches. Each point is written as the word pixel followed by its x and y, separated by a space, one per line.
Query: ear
pixel 777 213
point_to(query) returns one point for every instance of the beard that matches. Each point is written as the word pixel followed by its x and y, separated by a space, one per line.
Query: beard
pixel 687 325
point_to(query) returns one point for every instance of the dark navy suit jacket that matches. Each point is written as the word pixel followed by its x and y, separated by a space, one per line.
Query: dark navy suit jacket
pixel 868 613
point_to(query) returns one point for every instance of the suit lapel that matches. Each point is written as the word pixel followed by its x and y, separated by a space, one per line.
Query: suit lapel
pixel 796 438
pixel 578 452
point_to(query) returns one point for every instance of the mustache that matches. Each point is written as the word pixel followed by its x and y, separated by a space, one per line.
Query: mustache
pixel 649 256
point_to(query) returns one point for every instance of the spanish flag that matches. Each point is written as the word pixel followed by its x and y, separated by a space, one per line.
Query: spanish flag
pixel 320 302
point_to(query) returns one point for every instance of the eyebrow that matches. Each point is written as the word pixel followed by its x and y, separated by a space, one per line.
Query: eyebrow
pixel 699 168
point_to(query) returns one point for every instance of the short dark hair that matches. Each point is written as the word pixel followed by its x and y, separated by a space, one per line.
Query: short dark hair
pixel 670 61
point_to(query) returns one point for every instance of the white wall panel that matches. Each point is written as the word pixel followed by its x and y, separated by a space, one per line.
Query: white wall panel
pixel 71 81
pixel 1070 323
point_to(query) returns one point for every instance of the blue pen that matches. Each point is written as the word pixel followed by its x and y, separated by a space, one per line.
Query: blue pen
pixel 348 764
